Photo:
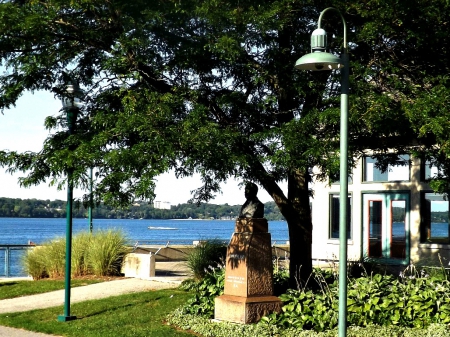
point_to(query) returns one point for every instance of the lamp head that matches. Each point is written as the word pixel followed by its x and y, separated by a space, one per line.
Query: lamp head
pixel 74 94
pixel 319 59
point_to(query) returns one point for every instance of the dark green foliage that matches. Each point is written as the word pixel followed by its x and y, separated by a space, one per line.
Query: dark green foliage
pixel 207 255
pixel 205 291
pixel 376 299
pixel 413 300
pixel 280 279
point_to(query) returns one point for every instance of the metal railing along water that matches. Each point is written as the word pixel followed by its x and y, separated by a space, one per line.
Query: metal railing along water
pixel 7 250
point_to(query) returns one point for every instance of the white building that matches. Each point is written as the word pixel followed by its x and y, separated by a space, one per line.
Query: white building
pixel 161 204
pixel 393 217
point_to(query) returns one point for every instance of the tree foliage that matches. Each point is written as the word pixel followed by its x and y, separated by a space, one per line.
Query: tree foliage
pixel 209 87
pixel 34 208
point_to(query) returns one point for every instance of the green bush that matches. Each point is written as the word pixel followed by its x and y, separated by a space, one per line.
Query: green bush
pixel 207 254
pixel 280 278
pixel 106 252
pixel 100 253
pixel 34 265
pixel 377 299
pixel 205 291
pixel 80 245
pixel 410 301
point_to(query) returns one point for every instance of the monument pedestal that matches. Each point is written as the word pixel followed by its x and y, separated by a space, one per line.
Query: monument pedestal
pixel 248 293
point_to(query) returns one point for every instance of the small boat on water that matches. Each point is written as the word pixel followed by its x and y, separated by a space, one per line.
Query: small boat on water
pixel 162 228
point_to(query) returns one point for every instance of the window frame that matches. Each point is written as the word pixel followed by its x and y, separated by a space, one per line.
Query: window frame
pixel 386 173
pixel 425 228
pixel 333 214
pixel 424 165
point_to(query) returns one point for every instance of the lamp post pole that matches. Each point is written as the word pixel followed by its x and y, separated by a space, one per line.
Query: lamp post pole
pixel 91 225
pixel 71 108
pixel 319 59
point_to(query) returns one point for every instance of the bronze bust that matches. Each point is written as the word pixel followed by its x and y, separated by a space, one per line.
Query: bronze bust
pixel 252 208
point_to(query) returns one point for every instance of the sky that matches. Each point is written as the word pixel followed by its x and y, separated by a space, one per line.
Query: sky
pixel 22 129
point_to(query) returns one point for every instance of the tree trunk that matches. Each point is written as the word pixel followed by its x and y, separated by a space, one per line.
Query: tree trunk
pixel 298 217
pixel 297 212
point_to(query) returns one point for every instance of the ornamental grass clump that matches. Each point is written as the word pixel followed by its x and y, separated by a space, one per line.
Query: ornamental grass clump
pixel 47 260
pixel 106 252
pixel 207 254
pixel 80 246
pixel 100 253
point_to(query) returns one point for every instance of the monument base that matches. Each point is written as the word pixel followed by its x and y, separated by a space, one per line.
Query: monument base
pixel 245 309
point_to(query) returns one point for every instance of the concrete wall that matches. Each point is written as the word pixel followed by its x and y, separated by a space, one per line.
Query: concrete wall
pixel 181 252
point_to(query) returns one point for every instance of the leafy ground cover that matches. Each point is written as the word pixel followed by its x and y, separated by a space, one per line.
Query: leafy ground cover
pixel 138 315
pixel 412 304
pixel 24 288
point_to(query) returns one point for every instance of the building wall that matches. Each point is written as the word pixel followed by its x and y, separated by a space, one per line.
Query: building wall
pixel 325 248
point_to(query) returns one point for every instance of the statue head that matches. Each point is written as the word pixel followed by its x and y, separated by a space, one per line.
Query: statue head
pixel 251 190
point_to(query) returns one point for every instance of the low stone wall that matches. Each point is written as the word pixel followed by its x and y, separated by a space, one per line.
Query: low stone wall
pixel 142 261
pixel 181 252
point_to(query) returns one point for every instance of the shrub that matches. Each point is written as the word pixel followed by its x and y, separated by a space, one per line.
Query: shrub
pixel 205 291
pixel 280 279
pixel 33 264
pixel 80 246
pixel 53 257
pixel 106 252
pixel 376 299
pixel 101 253
pixel 206 254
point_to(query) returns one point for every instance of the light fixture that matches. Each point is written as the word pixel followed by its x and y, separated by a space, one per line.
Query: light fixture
pixel 71 105
pixel 319 59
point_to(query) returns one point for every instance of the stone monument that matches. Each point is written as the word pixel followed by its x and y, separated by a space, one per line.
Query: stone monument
pixel 248 293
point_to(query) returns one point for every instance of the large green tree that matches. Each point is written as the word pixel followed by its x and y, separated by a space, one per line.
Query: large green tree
pixel 209 87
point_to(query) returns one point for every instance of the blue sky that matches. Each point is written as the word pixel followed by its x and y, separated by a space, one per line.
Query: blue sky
pixel 22 129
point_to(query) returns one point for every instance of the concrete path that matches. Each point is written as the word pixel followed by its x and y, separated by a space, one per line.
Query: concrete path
pixel 80 294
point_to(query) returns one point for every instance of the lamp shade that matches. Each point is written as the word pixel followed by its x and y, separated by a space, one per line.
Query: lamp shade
pixel 319 61
pixel 73 101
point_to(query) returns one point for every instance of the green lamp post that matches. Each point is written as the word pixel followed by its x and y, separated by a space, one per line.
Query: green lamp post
pixel 319 59
pixel 91 225
pixel 71 105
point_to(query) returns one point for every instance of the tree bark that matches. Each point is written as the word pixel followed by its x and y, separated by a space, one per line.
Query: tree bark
pixel 296 210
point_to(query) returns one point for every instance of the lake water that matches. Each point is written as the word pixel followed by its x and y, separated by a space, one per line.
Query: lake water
pixel 20 231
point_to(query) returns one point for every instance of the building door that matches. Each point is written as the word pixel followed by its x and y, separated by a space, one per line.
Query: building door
pixel 386 227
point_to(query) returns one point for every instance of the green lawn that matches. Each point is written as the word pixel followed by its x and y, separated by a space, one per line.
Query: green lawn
pixel 25 288
pixel 137 314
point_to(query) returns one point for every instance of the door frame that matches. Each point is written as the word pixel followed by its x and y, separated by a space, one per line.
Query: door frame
pixel 387 197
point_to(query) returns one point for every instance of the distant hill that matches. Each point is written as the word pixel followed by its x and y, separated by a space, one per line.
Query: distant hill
pixel 34 208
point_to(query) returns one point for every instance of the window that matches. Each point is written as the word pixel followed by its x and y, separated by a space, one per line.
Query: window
pixel 434 219
pixel 398 172
pixel 334 216
pixel 429 170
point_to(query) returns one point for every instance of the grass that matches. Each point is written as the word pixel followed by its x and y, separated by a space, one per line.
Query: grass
pixel 100 253
pixel 208 253
pixel 25 288
pixel 137 314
